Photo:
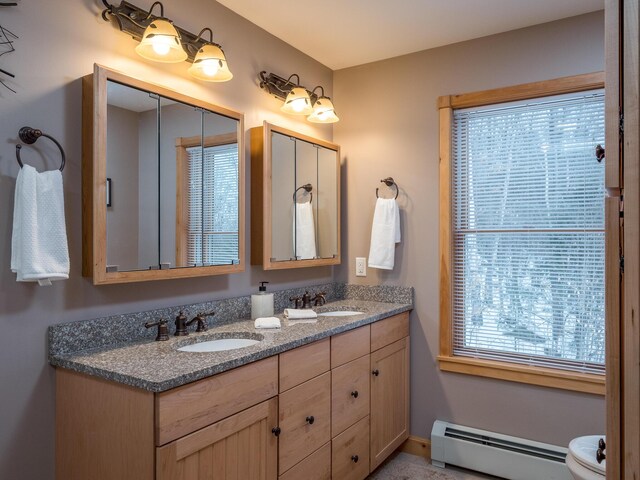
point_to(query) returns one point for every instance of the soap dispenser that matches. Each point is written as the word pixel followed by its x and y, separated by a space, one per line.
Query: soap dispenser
pixel 261 303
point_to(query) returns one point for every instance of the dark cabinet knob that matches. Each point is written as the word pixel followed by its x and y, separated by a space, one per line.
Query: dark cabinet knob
pixel 600 456
pixel 601 444
pixel 354 458
pixel 276 431
pixel 376 372
pixel 310 419
pixel 354 394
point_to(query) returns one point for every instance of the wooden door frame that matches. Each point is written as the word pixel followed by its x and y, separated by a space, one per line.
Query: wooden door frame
pixel 622 62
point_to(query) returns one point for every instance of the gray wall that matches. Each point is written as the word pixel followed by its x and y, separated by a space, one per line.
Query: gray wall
pixel 59 42
pixel 389 127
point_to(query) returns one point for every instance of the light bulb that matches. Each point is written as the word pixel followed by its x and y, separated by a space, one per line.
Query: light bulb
pixel 298 105
pixel 210 67
pixel 161 45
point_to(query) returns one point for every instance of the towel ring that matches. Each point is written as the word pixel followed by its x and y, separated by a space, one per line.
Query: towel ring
pixel 29 136
pixel 389 182
pixel 307 187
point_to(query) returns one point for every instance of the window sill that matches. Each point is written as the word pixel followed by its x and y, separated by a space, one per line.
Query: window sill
pixel 546 377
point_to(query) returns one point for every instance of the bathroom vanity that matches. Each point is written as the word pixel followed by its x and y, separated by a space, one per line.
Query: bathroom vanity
pixel 311 401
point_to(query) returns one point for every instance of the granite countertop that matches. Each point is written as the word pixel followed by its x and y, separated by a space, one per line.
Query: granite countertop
pixel 159 366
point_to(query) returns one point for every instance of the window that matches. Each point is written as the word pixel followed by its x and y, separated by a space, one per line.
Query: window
pixel 526 233
pixel 208 216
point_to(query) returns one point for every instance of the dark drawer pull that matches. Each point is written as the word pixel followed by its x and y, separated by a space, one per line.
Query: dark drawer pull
pixel 276 431
pixel 376 372
pixel 354 458
pixel 310 419
pixel 354 394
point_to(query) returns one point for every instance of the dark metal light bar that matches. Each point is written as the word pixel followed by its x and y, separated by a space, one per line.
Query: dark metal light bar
pixel 280 87
pixel 133 21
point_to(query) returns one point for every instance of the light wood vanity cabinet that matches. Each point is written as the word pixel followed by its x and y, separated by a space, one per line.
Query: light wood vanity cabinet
pixel 338 407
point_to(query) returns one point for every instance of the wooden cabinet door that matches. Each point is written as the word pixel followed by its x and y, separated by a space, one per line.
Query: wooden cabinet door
pixel 240 447
pixel 304 420
pixel 389 399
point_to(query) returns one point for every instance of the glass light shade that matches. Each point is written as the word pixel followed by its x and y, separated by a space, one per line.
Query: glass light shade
pixel 210 65
pixel 161 43
pixel 323 111
pixel 297 102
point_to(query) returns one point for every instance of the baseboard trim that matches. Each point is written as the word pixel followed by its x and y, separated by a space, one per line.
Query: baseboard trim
pixel 417 446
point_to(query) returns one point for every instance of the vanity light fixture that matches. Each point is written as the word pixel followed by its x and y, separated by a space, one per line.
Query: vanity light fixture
pixel 162 41
pixel 297 99
pixel 323 110
pixel 210 63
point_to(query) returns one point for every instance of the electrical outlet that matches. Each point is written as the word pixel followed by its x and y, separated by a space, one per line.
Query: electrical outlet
pixel 361 267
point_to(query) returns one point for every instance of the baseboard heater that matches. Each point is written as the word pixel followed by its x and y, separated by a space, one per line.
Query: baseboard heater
pixel 496 454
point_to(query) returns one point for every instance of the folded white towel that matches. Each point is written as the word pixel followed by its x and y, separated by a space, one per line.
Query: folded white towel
pixel 39 251
pixel 267 322
pixel 385 233
pixel 304 231
pixel 297 313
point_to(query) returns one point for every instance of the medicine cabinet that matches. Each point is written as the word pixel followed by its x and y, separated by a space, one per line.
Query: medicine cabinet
pixel 295 199
pixel 163 183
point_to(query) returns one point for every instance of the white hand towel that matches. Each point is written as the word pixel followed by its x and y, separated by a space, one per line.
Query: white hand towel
pixel 385 233
pixel 39 251
pixel 304 232
pixel 267 322
pixel 297 313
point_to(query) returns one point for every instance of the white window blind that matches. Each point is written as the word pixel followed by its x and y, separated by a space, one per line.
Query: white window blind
pixel 528 232
pixel 213 205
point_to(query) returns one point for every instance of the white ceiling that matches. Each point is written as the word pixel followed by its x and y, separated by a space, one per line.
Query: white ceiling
pixel 344 33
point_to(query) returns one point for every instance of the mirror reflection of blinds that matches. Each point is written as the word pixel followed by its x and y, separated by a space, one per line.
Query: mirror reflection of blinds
pixel 528 233
pixel 213 205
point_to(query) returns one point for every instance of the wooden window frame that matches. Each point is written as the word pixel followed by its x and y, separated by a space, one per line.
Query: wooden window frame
pixel 542 376
pixel 182 184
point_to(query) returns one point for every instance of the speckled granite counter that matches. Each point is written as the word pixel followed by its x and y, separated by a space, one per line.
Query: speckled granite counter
pixel 158 366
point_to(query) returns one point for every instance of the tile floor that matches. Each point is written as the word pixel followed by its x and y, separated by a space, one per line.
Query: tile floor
pixel 403 466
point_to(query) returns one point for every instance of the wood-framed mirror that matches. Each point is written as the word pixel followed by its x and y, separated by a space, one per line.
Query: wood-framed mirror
pixel 162 183
pixel 295 199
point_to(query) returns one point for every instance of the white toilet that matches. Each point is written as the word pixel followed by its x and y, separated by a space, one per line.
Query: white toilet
pixel 581 459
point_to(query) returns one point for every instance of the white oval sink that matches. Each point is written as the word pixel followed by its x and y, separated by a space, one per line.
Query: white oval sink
pixel 339 313
pixel 219 345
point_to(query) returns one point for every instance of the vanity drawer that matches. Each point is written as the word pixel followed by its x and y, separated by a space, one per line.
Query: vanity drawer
pixel 349 394
pixel 389 330
pixel 350 345
pixel 304 363
pixel 190 407
pixel 304 420
pixel 316 466
pixel 350 452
